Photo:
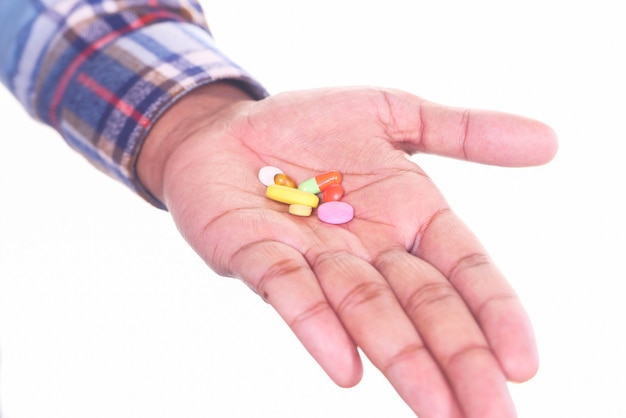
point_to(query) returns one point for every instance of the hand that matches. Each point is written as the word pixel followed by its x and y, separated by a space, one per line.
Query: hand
pixel 405 280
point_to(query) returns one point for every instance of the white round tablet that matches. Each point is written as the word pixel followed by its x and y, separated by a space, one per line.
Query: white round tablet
pixel 267 173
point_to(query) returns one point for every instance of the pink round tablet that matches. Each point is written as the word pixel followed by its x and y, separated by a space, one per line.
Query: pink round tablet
pixel 335 212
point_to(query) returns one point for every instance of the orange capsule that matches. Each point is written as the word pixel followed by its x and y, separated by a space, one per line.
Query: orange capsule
pixel 333 192
pixel 284 180
pixel 320 182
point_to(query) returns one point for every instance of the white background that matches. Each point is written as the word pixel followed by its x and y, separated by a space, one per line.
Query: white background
pixel 105 312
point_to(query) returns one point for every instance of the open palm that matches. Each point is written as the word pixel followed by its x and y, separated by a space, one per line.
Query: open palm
pixel 405 280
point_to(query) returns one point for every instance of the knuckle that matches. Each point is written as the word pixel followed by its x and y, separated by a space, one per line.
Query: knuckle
pixel 282 268
pixel 427 296
pixel 466 263
pixel 406 354
pixel 309 313
pixel 465 353
pixel 464 128
pixel 361 294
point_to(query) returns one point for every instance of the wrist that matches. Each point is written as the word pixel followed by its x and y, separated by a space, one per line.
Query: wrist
pixel 197 108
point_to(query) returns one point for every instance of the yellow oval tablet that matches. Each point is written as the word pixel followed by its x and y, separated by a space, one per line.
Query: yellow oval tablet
pixel 291 196
pixel 300 210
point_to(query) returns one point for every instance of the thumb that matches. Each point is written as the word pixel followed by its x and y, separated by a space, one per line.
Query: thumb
pixel 482 136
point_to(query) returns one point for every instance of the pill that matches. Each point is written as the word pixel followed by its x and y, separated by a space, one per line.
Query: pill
pixel 333 192
pixel 320 182
pixel 300 210
pixel 291 196
pixel 267 173
pixel 335 212
pixel 284 180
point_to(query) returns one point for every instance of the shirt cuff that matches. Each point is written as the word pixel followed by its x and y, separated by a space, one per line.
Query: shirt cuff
pixel 105 97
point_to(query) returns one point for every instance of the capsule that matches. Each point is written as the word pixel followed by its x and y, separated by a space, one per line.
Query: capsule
pixel 320 182
pixel 284 180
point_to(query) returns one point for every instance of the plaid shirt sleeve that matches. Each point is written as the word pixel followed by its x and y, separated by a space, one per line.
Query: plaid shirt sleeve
pixel 101 72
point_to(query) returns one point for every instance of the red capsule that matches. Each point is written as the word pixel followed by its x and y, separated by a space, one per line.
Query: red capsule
pixel 334 192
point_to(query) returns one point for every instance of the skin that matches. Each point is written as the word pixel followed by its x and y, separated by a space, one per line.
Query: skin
pixel 405 281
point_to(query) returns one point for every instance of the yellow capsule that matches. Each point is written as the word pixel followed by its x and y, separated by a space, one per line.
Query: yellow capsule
pixel 300 210
pixel 291 196
pixel 284 180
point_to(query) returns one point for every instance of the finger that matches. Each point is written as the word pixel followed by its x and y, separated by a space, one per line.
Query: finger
pixel 480 136
pixel 377 323
pixel 453 249
pixel 450 333
pixel 279 274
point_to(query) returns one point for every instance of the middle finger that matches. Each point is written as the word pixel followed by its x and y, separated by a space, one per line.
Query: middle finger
pixel 378 324
pixel 450 332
